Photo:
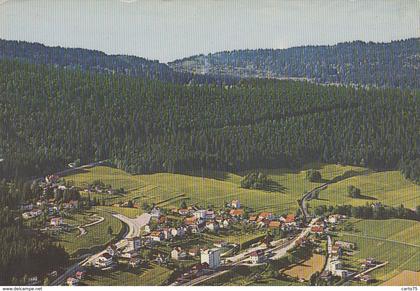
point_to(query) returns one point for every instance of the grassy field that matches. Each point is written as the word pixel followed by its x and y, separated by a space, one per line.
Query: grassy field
pixel 405 278
pixel 152 276
pixel 96 235
pixel 305 269
pixel 389 187
pixel 215 187
pixel 396 241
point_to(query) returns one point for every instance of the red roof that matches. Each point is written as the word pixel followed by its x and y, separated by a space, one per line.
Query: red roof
pixel 290 218
pixel 265 214
pixel 236 212
pixel 274 224
pixel 317 228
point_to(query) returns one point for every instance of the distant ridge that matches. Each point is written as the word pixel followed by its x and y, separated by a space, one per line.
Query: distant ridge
pixel 97 61
pixel 393 64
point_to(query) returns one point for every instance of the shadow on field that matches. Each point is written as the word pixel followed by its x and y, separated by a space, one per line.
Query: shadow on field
pixel 208 174
pixel 274 186
pixel 349 174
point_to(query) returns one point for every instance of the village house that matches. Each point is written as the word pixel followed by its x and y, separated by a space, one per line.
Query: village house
pixel 147 228
pixel 193 252
pixel 252 219
pixel 157 236
pixel 133 243
pixel 224 224
pixel 212 226
pixel 183 212
pixel 235 204
pixel 72 281
pixel 335 218
pixel 26 207
pixel 317 229
pixel 257 257
pixel 191 221
pixel 167 234
pixel 104 261
pixel 194 228
pixel 32 214
pixel 178 254
pixel 130 254
pixel 155 212
pixel 112 250
pixel 134 262
pixel 80 275
pixel 56 221
pixel 220 244
pixel 236 213
pixel 274 224
pixel 162 220
pixel 265 215
pixel 200 214
pixel 345 245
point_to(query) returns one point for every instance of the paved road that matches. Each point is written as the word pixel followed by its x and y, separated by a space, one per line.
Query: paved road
pixel 134 228
pixel 303 206
pixel 134 224
pixel 69 272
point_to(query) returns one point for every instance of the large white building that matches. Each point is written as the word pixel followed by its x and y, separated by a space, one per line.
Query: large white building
pixel 211 257
pixel 133 244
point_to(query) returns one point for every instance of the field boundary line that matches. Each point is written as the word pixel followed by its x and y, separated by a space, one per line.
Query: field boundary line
pixel 380 239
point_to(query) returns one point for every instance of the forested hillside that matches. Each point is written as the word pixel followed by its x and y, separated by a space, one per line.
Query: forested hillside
pixel 96 61
pixel 51 116
pixel 394 64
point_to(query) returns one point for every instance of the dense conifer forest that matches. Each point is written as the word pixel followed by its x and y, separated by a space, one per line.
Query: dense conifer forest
pixel 51 116
pixel 393 64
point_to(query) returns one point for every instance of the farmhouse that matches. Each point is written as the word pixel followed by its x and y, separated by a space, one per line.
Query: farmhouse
pixel 237 213
pixel 134 262
pixel 265 215
pixel 133 243
pixel 157 236
pixel 317 229
pixel 212 226
pixel 345 245
pixel 112 250
pixel 178 254
pixel 80 275
pixel 104 261
pixel 257 257
pixel 155 212
pixel 191 220
pixel 72 281
pixel 183 212
pixel 274 224
pixel 56 221
pixel 130 254
pixel 235 204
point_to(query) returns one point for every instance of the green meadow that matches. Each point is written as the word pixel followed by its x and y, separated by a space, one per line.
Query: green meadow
pixel 216 188
pixel 96 235
pixel 152 275
pixel 395 240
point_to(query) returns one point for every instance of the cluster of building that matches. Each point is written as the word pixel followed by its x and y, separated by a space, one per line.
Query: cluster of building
pixel 128 254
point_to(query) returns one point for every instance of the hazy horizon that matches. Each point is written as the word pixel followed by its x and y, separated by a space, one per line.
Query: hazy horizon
pixel 171 29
